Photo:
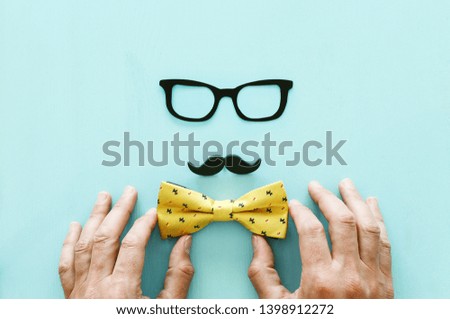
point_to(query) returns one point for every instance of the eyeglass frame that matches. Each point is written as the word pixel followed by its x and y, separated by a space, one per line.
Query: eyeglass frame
pixel 284 85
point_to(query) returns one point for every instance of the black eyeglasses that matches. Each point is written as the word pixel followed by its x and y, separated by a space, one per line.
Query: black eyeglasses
pixel 257 101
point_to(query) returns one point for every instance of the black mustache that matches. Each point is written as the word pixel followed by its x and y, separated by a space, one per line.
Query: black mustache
pixel 235 164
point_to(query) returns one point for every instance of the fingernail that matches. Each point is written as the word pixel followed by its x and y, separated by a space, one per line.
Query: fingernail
pixel 73 225
pixel 254 241
pixel 101 197
pixel 347 182
pixel 294 202
pixel 129 189
pixel 314 184
pixel 373 199
pixel 151 211
pixel 188 244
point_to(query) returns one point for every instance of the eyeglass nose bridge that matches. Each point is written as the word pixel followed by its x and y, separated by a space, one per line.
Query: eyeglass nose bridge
pixel 227 92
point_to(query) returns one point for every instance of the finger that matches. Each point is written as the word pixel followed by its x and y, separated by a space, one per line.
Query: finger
pixel 130 260
pixel 83 248
pixel 313 243
pixel 262 271
pixel 341 223
pixel 107 236
pixel 366 225
pixel 180 272
pixel 385 246
pixel 66 267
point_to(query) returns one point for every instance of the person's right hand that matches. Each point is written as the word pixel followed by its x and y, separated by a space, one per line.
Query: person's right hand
pixel 359 264
pixel 95 264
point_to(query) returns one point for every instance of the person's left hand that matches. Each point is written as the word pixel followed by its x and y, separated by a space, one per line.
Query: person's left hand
pixel 359 263
pixel 94 264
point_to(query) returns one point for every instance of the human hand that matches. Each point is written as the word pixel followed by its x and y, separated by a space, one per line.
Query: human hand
pixel 359 264
pixel 94 264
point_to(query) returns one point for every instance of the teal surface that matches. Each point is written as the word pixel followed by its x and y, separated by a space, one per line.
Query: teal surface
pixel 75 74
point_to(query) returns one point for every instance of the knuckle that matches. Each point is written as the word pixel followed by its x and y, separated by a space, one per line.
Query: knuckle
pixel 385 245
pixel 103 232
pixel 83 246
pixel 379 218
pixel 67 242
pixel 100 239
pixel 346 218
pixel 63 268
pixel 371 228
pixel 253 271
pixel 256 270
pixel 185 270
pixel 131 241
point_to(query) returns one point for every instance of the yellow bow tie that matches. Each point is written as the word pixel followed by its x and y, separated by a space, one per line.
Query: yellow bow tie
pixel 181 211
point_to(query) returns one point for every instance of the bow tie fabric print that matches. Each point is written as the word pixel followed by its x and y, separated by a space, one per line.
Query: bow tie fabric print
pixel 181 211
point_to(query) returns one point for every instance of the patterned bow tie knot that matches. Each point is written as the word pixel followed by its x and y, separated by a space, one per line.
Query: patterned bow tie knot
pixel 181 211
pixel 221 210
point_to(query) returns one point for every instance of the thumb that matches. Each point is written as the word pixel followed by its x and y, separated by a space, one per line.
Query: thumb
pixel 180 272
pixel 262 271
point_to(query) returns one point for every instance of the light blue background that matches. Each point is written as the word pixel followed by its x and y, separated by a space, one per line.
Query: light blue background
pixel 75 74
